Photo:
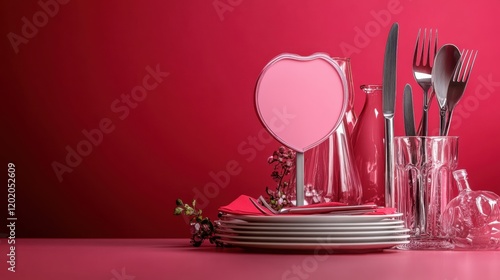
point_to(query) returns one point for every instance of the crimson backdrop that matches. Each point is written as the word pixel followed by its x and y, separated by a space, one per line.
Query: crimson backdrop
pixel 157 99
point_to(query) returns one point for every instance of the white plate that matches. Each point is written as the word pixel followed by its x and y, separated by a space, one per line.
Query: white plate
pixel 315 218
pixel 318 246
pixel 307 228
pixel 385 222
pixel 314 233
pixel 326 239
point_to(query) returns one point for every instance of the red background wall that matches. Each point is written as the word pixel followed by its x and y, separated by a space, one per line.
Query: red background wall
pixel 74 71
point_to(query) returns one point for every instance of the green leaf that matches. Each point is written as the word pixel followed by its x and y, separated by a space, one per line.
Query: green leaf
pixel 179 202
pixel 178 210
pixel 189 210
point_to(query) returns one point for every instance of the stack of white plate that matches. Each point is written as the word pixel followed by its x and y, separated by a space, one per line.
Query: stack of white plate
pixel 333 232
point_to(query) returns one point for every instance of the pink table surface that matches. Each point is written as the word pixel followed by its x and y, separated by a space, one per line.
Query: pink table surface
pixel 138 259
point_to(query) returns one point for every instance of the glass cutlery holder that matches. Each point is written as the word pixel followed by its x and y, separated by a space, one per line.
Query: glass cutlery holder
pixel 424 186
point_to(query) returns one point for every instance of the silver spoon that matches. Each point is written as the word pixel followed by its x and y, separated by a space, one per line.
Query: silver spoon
pixel 442 71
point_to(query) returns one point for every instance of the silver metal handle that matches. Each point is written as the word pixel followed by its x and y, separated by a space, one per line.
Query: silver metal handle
pixel 300 179
pixel 389 163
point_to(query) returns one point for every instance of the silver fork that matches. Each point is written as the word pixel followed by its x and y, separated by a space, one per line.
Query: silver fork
pixel 422 71
pixel 458 83
pixel 259 207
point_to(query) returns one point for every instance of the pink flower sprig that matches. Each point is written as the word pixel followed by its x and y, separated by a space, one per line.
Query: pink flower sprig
pixel 283 161
pixel 201 228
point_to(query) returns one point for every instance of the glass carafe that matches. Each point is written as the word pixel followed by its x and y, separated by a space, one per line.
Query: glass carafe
pixel 472 219
pixel 369 149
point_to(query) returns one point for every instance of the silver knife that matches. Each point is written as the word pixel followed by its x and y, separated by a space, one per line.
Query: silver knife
pixel 409 116
pixel 409 120
pixel 389 98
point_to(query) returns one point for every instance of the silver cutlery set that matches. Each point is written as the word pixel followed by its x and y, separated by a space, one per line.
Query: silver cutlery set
pixel 443 74
pixel 414 183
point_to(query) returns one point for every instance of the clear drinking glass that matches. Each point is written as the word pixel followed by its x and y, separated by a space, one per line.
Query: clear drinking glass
pixel 424 186
pixel 318 177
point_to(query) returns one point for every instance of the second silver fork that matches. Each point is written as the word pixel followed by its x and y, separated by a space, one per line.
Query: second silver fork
pixel 458 83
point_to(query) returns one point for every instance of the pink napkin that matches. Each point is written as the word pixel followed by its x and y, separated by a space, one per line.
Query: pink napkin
pixel 243 206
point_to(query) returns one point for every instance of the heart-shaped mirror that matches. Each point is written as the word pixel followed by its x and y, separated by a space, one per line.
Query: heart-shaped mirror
pixel 301 100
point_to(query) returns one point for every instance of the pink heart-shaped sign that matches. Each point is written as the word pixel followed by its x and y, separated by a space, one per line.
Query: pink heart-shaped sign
pixel 301 100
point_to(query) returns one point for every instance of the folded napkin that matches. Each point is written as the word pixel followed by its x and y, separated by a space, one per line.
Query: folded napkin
pixel 243 206
pixel 246 205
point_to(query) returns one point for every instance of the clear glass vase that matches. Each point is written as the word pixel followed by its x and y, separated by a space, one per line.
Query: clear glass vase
pixel 350 115
pixel 330 173
pixel 369 148
pixel 346 179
